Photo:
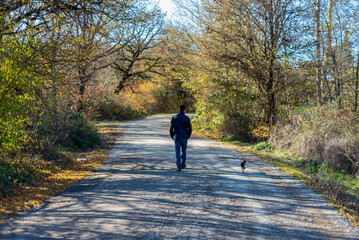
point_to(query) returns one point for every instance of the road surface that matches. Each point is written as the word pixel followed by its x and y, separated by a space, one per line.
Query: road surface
pixel 137 194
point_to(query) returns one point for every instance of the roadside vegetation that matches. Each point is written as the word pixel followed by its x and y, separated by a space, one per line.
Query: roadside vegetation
pixel 62 63
pixel 29 180
pixel 318 146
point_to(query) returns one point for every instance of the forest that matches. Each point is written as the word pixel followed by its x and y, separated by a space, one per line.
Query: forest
pixel 281 75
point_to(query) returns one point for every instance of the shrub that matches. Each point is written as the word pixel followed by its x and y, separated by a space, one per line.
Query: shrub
pixel 216 123
pixel 58 126
pixel 207 120
pixel 110 107
pixel 170 94
pixel 313 167
pixel 82 134
pixel 48 127
pixel 343 154
pixel 237 125
pixel 4 183
pixel 263 146
pixel 14 173
pixel 327 135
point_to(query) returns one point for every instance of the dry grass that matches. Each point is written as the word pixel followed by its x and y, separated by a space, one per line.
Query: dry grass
pixel 57 179
pixel 326 134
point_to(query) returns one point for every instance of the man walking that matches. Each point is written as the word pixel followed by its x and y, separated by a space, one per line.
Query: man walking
pixel 180 132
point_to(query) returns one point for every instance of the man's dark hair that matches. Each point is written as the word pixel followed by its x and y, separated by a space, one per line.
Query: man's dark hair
pixel 182 107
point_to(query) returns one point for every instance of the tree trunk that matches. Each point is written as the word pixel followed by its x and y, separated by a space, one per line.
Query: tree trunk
pixel 120 86
pixel 329 49
pixel 337 81
pixel 319 65
pixel 356 86
pixel 271 111
pixel 82 81
pixel 271 103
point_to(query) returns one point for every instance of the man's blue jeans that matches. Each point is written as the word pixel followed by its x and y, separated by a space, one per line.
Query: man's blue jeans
pixel 180 158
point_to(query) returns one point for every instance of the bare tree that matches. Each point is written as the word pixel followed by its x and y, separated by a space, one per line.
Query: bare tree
pixel 137 60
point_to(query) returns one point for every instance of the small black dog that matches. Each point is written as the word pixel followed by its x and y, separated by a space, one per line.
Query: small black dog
pixel 243 163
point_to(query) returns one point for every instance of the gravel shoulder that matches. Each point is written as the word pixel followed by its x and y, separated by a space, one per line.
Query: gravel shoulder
pixel 136 194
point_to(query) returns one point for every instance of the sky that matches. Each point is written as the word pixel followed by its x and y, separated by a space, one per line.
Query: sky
pixel 167 6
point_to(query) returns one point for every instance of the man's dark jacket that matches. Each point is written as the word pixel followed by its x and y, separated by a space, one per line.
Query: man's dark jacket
pixel 180 126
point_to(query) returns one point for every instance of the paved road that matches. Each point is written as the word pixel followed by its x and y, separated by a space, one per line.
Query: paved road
pixel 136 194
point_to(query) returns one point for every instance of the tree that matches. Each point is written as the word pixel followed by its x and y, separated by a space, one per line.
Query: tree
pixel 80 42
pixel 94 36
pixel 137 61
pixel 19 15
pixel 254 37
pixel 318 52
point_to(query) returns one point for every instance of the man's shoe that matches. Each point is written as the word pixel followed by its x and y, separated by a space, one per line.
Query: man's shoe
pixel 184 166
pixel 178 169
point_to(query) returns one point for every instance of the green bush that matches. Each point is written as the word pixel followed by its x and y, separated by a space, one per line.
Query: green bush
pixel 14 173
pixel 82 135
pixel 19 83
pixel 314 167
pixel 263 146
pixel 49 126
pixel 4 183
pixel 56 126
